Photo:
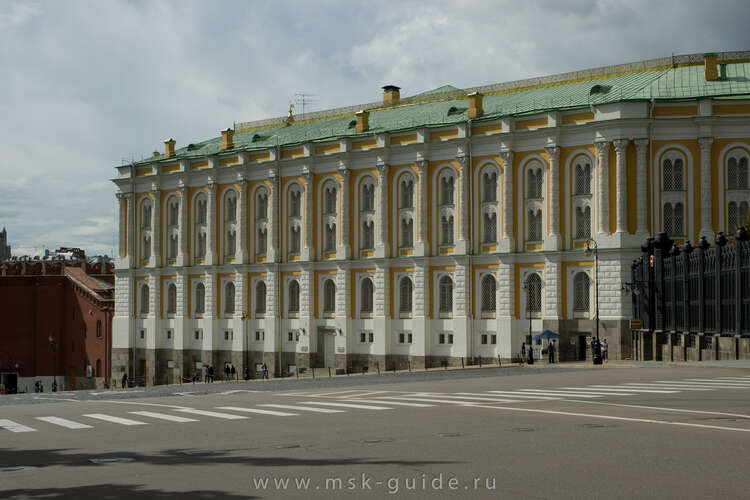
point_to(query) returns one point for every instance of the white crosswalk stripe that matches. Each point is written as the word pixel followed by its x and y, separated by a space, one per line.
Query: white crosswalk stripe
pixel 524 396
pixel 652 391
pixel 206 413
pixel 480 399
pixel 433 400
pixel 258 411
pixel 716 385
pixel 625 391
pixel 164 416
pixel 542 392
pixel 114 420
pixel 714 381
pixel 63 422
pixel 346 405
pixel 392 403
pixel 12 426
pixel 360 394
pixel 666 386
pixel 302 408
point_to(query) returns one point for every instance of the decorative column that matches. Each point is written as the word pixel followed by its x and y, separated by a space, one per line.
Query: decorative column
pixel 641 146
pixel 309 250
pixel 182 228
pixel 343 249
pixel 621 192
pixel 706 202
pixel 463 245
pixel 423 244
pixel 507 157
pixel 554 240
pixel 155 260
pixel 382 211
pixel 211 224
pixel 132 257
pixel 122 249
pixel 602 154
pixel 242 228
pixel 273 225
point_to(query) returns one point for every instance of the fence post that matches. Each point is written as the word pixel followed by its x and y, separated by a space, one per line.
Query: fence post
pixel 687 249
pixel 702 247
pixel 675 254
pixel 408 362
pixel 378 365
pixel 721 242
pixel 329 372
pixel 661 245
pixel 740 238
pixel 313 372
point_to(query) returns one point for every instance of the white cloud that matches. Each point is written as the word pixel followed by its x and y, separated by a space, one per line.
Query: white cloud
pixel 85 84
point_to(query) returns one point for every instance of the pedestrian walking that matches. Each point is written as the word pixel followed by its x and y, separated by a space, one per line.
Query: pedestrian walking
pixel 207 375
pixel 233 372
pixel 226 371
pixel 124 380
pixel 36 386
pixel 247 374
pixel 265 371
pixel 551 351
pixel 41 386
pixel 523 352
pixel 211 373
pixel 530 358
pixel 605 350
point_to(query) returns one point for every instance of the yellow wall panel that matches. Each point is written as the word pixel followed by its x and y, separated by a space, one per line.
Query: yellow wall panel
pixel 532 124
pixel 402 140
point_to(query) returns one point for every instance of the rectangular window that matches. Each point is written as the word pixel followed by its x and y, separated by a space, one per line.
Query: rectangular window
pixel 198 334
pixel 400 338
pixel 363 337
pixel 371 337
pixel 450 338
pixel 484 339
pixel 169 334
pixel 228 335
pixel 441 338
pixel 259 335
pixel 408 336
pixel 493 339
pixel 290 336
pixel 143 334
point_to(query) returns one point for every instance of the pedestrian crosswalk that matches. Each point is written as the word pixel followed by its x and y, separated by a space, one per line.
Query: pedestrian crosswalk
pixel 343 401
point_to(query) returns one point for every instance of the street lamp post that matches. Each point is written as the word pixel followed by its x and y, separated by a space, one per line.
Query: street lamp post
pixel 54 363
pixel 527 287
pixel 593 247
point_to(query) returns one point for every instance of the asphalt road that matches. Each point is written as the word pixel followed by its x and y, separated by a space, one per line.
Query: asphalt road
pixel 612 432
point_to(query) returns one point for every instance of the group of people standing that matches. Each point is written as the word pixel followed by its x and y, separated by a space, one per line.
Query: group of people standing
pixel 527 355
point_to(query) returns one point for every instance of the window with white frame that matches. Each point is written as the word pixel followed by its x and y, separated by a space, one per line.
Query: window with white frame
pixel 173 230
pixel 534 203
pixel 367 214
pixel 581 292
pixel 200 298
pixel 172 246
pixel 231 245
pixel 407 233
pixel 534 293
pixel 583 222
pixel 674 219
pixel 294 219
pixel 534 223
pixel 445 290
pixel 368 235
pixel 169 333
pixel 489 289
pixel 198 334
pixel 294 239
pixel 200 226
pixel 262 246
pixel 446 230
pixel 407 193
pixel 329 200
pixel 260 335
pixel 738 189
pixel 489 227
pixel 293 297
pixel 367 296
pixel 405 290
pixel 171 298
pixel 489 186
pixel 229 297
pixel 330 237
pixel 406 214
pixel 230 224
pixel 445 338
pixel 329 296
pixel 368 197
pixel 260 298
pixel 446 208
pixel 582 198
pixel 673 193
pixel 145 299
pixel 228 335
pixel 447 188
pixel 404 338
pixel 366 337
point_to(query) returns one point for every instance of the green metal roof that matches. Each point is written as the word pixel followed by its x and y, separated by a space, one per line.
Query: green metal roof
pixel 683 82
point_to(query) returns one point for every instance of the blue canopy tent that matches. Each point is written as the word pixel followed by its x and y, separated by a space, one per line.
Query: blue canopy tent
pixel 547 334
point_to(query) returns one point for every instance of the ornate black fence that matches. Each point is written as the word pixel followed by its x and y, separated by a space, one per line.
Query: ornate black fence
pixel 686 289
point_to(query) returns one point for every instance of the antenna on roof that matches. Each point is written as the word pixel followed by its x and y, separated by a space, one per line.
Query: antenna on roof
pixel 301 100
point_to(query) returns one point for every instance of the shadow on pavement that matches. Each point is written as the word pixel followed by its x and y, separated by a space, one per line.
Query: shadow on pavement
pixel 107 491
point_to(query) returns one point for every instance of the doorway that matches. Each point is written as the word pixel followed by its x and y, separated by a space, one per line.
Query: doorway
pixel 9 382
pixel 581 345
pixel 329 349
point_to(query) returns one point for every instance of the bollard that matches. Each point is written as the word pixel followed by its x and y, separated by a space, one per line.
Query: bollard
pixel 378 367
pixel 409 363
pixel 498 360
pixel 297 372
pixel 462 363
pixel 480 361
pixel 329 372
pixel 313 372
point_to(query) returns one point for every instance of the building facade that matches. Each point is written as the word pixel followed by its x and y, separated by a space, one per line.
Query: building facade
pixel 57 324
pixel 429 229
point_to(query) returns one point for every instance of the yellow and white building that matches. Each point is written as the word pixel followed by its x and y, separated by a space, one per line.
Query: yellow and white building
pixel 425 229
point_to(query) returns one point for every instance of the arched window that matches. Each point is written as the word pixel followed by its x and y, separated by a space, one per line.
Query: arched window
pixel 262 205
pixel 229 298
pixel 446 190
pixel 535 180
pixel 489 186
pixel 407 233
pixel 98 329
pixel 583 179
pixel 293 296
pixel 368 235
pixel 490 227
pixel 446 294
pixel 405 295
pixel 330 200
pixel 200 298
pixel 201 211
pixel 171 298
pixel 230 208
pixel 145 305
pixel 367 296
pixel 489 286
pixel 173 214
pixel 330 238
pixel 295 203
pixel 407 194
pixel 260 298
pixel 535 225
pixel 583 223
pixel 738 193
pixel 146 215
pixel 534 293
pixel 672 174
pixel 581 294
pixel 368 198
pixel 446 230
pixel 329 296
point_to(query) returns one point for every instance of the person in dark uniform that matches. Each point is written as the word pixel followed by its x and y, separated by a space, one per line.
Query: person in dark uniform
pixel 530 357
pixel 551 351
pixel 124 380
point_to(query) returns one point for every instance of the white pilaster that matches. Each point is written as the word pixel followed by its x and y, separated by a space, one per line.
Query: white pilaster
pixel 552 297
pixel 308 253
pixel 463 244
pixel 552 242
pixel 422 245
pixel 155 260
pixel 602 154
pixel 641 148
pixel 273 225
pixel 621 189
pixel 122 250
pixel 382 249
pixel 343 250
pixel 242 228
pixel 182 228
pixel 507 243
pixel 211 225
pixel 706 202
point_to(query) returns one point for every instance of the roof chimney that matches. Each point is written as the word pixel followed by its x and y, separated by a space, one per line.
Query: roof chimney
pixel 363 121
pixel 709 62
pixel 227 139
pixel 169 148
pixel 475 105
pixel 391 95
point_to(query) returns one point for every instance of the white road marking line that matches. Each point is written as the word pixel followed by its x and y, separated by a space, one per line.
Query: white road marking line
pixel 63 422
pixel 257 410
pixel 163 416
pixel 681 410
pixel 235 391
pixel 715 385
pixel 395 403
pixel 174 407
pixel 226 416
pixel 433 400
pixel 303 408
pixel 361 394
pixel 610 417
pixel 524 396
pixel 722 382
pixel 12 426
pixel 739 379
pixel 334 392
pixel 345 405
pixel 479 399
pixel 666 386
pixel 557 393
pixel 114 420
pixel 601 391
pixel 653 391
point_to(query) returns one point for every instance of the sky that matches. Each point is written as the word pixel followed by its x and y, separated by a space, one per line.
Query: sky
pixel 88 85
